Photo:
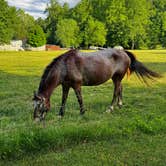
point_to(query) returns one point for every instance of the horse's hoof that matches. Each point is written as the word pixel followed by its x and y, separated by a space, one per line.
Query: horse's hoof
pixel 82 113
pixel 60 117
pixel 110 109
pixel 119 106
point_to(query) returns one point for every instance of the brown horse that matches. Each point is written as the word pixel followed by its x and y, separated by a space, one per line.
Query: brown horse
pixel 74 69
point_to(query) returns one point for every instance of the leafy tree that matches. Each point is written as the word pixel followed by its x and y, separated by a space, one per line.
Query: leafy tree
pixel 66 10
pixel 24 23
pixel 42 22
pixel 68 33
pixel 99 8
pixel 55 13
pixel 156 29
pixel 7 22
pixel 160 6
pixel 153 30
pixel 163 30
pixel 81 12
pixel 116 20
pixel 36 36
pixel 94 33
pixel 130 23
pixel 138 16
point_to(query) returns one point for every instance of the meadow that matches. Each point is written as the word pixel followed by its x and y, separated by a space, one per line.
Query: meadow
pixel 133 135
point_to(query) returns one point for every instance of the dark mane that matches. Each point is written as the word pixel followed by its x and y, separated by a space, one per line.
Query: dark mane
pixel 47 74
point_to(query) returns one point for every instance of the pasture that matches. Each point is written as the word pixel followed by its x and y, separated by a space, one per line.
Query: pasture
pixel 133 135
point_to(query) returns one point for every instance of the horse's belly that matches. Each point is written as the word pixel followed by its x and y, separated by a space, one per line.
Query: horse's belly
pixel 96 78
pixel 97 70
pixel 93 83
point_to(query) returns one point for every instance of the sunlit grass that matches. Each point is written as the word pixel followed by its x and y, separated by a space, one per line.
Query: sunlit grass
pixel 26 63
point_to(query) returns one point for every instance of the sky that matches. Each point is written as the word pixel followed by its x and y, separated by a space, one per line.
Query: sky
pixel 36 7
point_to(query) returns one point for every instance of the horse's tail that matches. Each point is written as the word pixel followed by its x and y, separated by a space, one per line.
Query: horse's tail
pixel 141 71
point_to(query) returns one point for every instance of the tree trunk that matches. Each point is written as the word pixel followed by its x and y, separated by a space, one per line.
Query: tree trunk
pixel 133 45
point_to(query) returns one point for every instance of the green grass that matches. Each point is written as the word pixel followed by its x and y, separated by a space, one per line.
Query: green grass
pixel 133 135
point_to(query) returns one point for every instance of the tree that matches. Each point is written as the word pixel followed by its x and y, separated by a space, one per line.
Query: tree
pixel 116 21
pixel 7 22
pixel 160 6
pixel 42 23
pixel 138 16
pixel 81 12
pixel 94 33
pixel 163 30
pixel 55 13
pixel 68 33
pixel 24 23
pixel 99 8
pixel 36 36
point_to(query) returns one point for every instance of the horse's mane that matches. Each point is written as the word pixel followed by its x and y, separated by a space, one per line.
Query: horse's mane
pixel 47 74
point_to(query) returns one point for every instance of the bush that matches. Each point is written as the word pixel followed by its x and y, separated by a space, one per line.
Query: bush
pixel 36 36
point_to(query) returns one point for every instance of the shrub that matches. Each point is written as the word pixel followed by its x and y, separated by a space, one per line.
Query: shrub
pixel 36 36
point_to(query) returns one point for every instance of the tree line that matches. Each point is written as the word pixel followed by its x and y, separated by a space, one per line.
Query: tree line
pixel 134 24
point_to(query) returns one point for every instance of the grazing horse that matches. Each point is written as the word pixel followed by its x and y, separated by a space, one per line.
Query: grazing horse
pixel 74 69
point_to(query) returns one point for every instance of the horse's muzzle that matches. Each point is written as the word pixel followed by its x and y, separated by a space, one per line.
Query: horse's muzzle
pixel 41 117
pixel 37 119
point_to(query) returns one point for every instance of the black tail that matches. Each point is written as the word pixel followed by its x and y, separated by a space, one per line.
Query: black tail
pixel 141 71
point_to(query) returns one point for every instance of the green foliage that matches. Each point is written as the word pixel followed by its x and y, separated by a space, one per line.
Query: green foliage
pixel 7 22
pixel 81 12
pixel 94 33
pixel 68 33
pixel 55 13
pixel 133 24
pixel 99 9
pixel 24 23
pixel 157 24
pixel 36 36
pixel 116 20
pixel 138 15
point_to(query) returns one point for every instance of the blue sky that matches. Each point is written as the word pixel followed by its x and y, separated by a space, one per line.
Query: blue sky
pixel 36 7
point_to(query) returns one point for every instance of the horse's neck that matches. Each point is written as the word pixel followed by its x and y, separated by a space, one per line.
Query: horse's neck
pixel 48 92
pixel 47 89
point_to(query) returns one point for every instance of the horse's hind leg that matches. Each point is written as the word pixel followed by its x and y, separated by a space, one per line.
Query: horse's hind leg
pixel 120 96
pixel 117 92
pixel 65 92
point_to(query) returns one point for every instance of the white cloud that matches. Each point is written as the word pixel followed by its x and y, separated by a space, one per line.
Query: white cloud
pixel 33 7
pixel 70 2
pixel 36 8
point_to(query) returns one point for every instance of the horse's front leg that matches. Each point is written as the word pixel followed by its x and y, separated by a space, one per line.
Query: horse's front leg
pixel 65 92
pixel 77 90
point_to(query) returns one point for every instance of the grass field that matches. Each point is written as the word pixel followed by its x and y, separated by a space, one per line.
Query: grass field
pixel 133 135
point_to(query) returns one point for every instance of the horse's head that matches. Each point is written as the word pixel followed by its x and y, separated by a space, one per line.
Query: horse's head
pixel 41 107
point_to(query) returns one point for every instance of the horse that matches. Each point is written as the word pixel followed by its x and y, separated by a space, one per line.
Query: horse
pixel 74 69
